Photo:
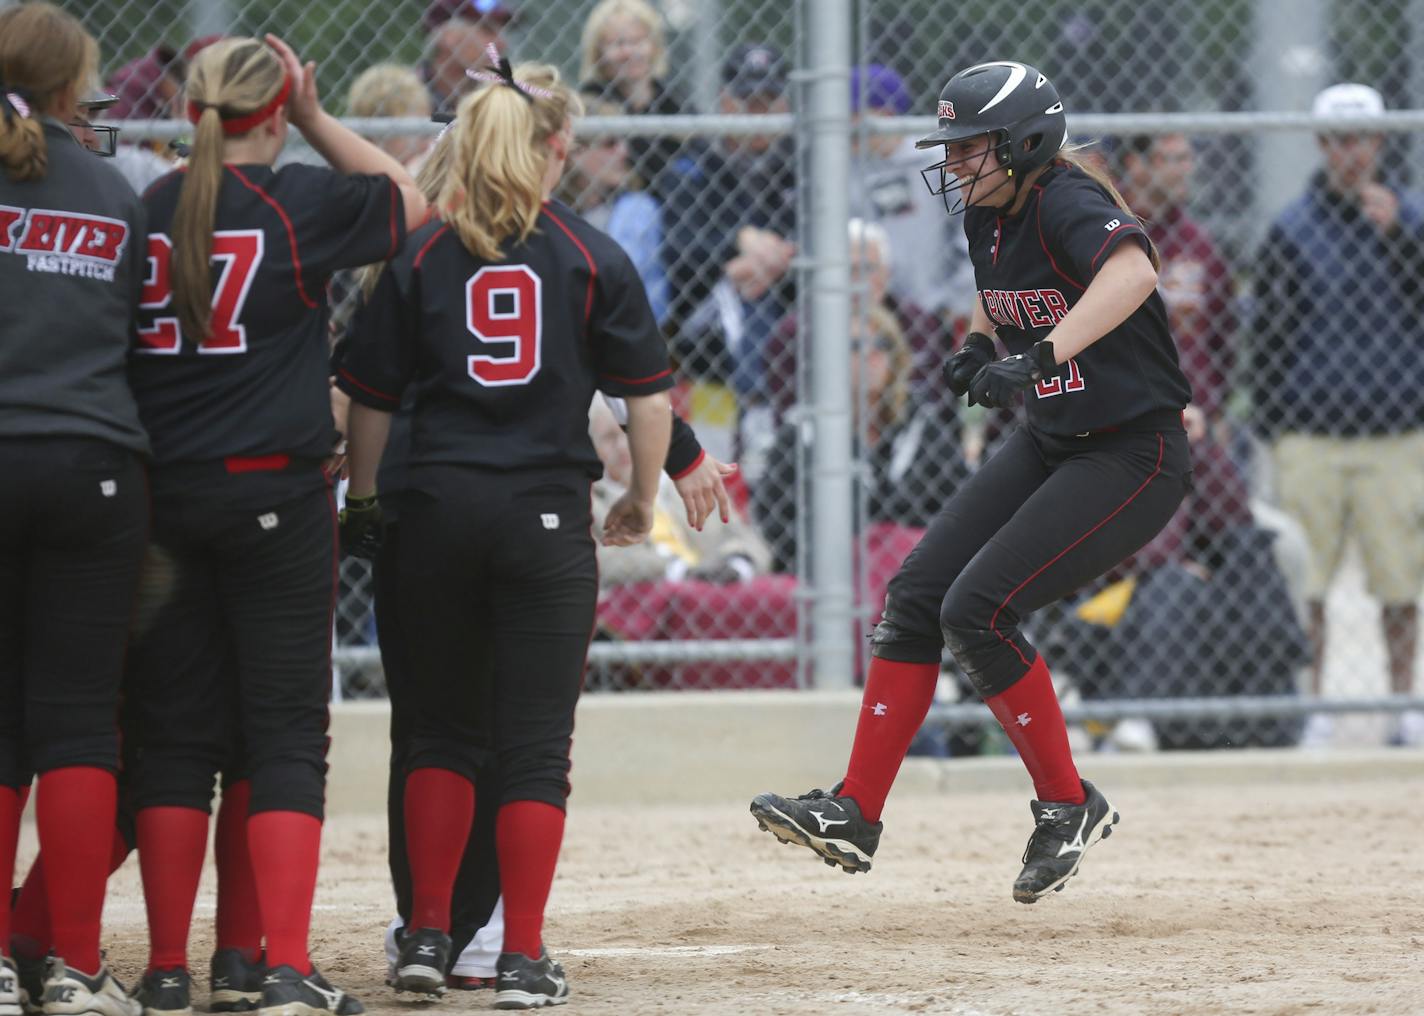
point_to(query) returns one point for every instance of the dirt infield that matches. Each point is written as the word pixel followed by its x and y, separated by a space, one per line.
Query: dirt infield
pixel 1302 898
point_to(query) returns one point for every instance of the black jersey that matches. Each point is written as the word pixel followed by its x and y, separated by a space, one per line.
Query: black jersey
pixel 256 388
pixel 505 356
pixel 1032 268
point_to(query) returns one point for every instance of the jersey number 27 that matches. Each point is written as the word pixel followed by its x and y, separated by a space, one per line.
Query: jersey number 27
pixel 239 252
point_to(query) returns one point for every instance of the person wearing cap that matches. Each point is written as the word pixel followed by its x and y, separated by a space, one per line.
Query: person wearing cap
pixel 729 236
pixel 459 31
pixel 931 269
pixel 1339 383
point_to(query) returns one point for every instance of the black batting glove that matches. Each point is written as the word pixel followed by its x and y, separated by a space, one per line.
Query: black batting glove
pixel 362 527
pixel 976 353
pixel 998 384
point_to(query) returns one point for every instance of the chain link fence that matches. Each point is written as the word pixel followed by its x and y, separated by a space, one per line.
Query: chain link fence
pixel 1285 591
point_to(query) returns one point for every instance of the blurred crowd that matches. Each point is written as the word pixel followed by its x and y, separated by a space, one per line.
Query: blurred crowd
pixel 1307 422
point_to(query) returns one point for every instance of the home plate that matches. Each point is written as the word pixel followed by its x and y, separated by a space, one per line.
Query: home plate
pixel 667 950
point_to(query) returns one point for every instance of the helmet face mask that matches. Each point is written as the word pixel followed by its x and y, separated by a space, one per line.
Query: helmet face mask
pixel 944 179
pixel 1013 103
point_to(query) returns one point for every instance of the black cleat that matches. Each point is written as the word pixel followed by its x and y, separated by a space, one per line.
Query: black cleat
pixel 830 825
pixel 424 957
pixel 234 983
pixel 287 992
pixel 522 983
pixel 166 992
pixel 1063 834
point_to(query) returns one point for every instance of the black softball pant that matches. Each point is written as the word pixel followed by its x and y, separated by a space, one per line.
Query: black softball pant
pixel 233 671
pixel 498 585
pixel 1042 518
pixel 477 886
pixel 73 524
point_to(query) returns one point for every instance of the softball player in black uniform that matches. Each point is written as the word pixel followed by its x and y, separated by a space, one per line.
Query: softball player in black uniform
pixel 1066 280
pixel 231 375
pixel 505 318
pixel 73 499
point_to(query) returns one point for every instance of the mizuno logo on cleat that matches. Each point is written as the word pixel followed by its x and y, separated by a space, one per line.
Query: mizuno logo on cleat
pixel 512 975
pixel 826 823
pixel 1076 846
pixel 425 950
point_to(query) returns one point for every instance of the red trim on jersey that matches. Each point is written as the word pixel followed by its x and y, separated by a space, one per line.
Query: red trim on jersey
pixel 395 204
pixel 346 375
pixel 1038 217
pixel 428 244
pixel 166 178
pixel 637 380
pixel 291 232
pixel 1125 225
pixel 592 269
pixel 993 621
pixel 695 463
pixel 256 463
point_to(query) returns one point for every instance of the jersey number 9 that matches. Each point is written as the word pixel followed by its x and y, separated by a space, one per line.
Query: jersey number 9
pixel 503 307
pixel 238 252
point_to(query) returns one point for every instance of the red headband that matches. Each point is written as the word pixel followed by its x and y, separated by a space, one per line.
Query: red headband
pixel 243 124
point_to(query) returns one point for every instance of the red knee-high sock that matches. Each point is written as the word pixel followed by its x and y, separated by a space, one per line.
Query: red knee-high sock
pixel 10 808
pixel 29 923
pixel 171 844
pixel 1029 713
pixel 439 807
pixel 897 697
pixel 239 919
pixel 285 847
pixel 70 805
pixel 527 836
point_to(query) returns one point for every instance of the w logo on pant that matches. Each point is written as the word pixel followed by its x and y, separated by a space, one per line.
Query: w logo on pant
pixel 550 520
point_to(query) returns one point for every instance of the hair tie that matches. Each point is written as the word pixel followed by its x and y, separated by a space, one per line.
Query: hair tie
pixel 503 74
pixel 18 99
pixel 244 123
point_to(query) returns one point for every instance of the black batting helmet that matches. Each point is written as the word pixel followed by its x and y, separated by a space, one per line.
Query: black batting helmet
pixel 1015 105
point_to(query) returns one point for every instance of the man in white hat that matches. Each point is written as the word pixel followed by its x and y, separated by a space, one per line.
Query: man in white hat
pixel 1339 380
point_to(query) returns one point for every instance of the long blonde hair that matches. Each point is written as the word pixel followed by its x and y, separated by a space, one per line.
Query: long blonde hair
pixel 43 51
pixel 591 65
pixel 1084 158
pixel 431 181
pixel 890 408
pixel 495 187
pixel 237 76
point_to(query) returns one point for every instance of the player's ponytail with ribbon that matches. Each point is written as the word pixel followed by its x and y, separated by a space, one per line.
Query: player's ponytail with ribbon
pixel 233 86
pixel 43 50
pixel 496 185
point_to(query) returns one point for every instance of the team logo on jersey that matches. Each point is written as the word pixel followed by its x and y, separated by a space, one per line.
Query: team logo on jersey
pixel 64 243
pixel 1024 308
pixel 946 109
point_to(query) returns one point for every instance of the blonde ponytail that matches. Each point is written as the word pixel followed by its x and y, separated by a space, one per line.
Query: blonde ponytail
pixel 234 77
pixel 431 181
pixel 43 51
pixel 1072 155
pixel 495 187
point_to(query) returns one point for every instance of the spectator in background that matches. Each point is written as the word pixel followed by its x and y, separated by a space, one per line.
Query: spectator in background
pixel 147 86
pixel 1339 381
pixel 729 236
pixel 598 185
pixel 625 61
pixel 872 260
pixel 931 269
pixel 897 435
pixel 390 90
pixel 458 33
pixel 1194 280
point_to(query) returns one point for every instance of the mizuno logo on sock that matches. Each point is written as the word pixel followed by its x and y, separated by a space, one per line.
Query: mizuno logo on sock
pixel 826 823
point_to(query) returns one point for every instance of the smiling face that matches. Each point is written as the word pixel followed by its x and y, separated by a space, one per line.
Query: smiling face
pixel 973 162
pixel 626 51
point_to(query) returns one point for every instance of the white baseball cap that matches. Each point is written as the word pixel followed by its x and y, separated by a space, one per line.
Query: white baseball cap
pixel 1348 100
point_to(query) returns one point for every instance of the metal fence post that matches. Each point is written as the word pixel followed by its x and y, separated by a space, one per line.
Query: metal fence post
pixel 827 70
